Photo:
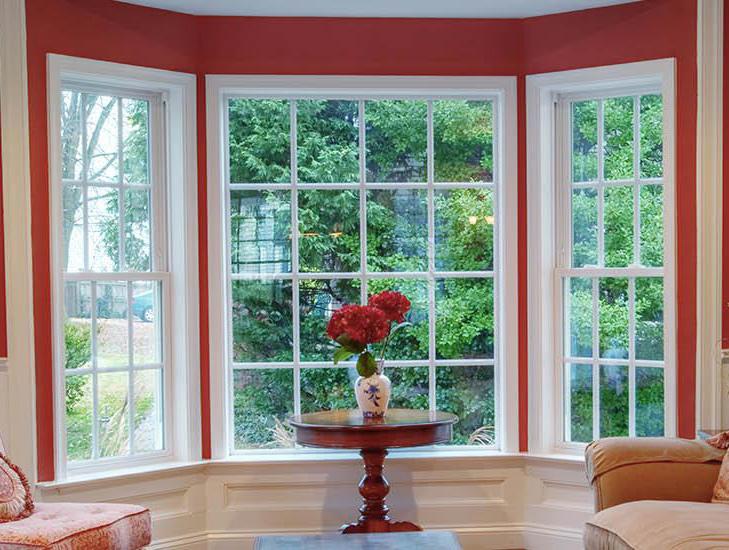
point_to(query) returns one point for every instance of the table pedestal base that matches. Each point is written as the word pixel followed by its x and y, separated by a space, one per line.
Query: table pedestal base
pixel 374 487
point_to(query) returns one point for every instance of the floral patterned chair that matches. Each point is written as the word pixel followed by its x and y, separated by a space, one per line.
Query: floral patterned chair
pixel 72 526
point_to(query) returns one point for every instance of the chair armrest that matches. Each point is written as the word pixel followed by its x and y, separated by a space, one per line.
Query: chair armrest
pixel 627 469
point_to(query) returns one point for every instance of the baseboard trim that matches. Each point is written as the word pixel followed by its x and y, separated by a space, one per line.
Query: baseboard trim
pixel 516 535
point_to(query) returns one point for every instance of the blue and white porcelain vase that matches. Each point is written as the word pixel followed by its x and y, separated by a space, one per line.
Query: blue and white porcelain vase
pixel 373 393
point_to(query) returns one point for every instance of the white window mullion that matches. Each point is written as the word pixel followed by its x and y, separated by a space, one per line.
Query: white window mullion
pixel 363 270
pixel 295 260
pixel 600 186
pixel 121 194
pixel 432 378
pixel 631 358
pixel 130 336
pixel 595 358
pixel 94 376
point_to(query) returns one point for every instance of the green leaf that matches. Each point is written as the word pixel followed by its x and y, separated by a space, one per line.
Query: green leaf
pixel 342 354
pixel 366 364
pixel 350 345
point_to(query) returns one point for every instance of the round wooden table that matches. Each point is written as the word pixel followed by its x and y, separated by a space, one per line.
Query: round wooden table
pixel 348 429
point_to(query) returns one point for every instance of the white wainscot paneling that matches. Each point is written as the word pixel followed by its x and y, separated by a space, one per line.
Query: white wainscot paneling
pixel 490 502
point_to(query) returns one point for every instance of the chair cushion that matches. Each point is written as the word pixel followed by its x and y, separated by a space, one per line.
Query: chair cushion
pixel 659 525
pixel 64 526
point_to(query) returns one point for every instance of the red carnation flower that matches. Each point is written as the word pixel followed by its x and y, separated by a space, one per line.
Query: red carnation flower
pixel 362 324
pixel 393 304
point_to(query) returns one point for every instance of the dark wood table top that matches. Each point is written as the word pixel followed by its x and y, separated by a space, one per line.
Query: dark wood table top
pixel 348 429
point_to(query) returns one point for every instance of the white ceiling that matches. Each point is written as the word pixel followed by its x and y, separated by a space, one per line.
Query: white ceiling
pixel 378 8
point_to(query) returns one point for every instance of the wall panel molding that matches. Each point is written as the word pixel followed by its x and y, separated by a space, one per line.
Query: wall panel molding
pixel 509 501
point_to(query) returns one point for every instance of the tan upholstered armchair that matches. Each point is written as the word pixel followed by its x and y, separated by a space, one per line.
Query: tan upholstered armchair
pixel 653 493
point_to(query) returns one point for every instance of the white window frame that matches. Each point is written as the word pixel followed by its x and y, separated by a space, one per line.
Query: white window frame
pixel 502 89
pixel 546 371
pixel 176 235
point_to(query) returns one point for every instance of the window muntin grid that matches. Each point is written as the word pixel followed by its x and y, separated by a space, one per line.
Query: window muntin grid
pixel 612 276
pixel 426 279
pixel 113 275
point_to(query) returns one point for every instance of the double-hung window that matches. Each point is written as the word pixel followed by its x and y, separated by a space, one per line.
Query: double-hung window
pixel 333 196
pixel 114 272
pixel 611 258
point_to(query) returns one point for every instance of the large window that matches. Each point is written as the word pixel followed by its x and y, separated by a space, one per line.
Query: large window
pixel 611 255
pixel 114 274
pixel 331 200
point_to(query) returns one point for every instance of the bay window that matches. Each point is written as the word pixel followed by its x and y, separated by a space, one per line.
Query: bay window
pixel 329 197
pixel 124 260
pixel 602 294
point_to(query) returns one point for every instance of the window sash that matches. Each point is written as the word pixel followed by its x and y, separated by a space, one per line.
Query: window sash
pixel 564 270
pixel 158 261
pixel 431 275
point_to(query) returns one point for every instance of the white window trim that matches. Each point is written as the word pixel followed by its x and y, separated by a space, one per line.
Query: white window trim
pixel 711 407
pixel 182 397
pixel 545 388
pixel 20 436
pixel 218 86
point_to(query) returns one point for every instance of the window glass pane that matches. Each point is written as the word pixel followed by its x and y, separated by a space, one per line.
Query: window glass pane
pixel 262 321
pixel 327 141
pixel 412 342
pixel 396 140
pixel 79 417
pixel 102 137
pixel 614 401
pixel 329 231
pixel 651 225
pixel 651 136
pixel 584 227
pixel 584 141
pixel 71 136
pixel 649 410
pixel 73 228
pixel 580 316
pixel 148 410
pixel 468 392
pixel 318 300
pixel 262 400
pixel 260 231
pixel 112 328
pixel 409 387
pixel 77 326
pixel 464 318
pixel 137 230
pixel 135 127
pixel 326 389
pixel 146 322
pixel 464 230
pixel 463 140
pixel 649 318
pixel 618 136
pixel 259 140
pixel 619 226
pixel 580 398
pixel 613 318
pixel 113 422
pixel 397 230
pixel 103 225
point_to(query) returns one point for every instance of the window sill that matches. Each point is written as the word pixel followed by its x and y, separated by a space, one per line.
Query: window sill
pixel 141 473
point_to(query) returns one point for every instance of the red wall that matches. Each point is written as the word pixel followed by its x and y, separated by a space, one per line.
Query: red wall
pixel 635 32
pixel 112 31
pixel 100 29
